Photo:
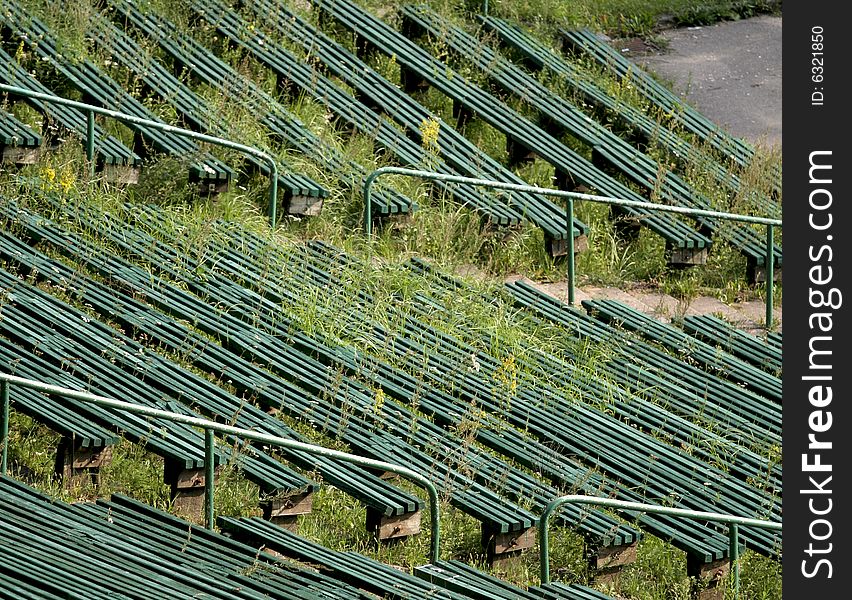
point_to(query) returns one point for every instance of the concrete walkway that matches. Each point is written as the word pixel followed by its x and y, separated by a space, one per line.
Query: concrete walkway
pixel 730 71
pixel 748 315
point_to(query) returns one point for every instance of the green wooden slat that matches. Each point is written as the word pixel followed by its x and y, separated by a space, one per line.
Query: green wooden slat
pixel 86 77
pixel 347 567
pixel 204 65
pixel 497 114
pixel 16 134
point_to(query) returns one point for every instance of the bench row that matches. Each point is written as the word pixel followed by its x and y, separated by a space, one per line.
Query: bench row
pixel 609 151
pixel 684 242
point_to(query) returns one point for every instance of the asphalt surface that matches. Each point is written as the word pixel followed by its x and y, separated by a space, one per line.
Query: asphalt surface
pixel 730 71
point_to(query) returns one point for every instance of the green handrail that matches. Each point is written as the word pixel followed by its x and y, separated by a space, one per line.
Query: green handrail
pixel 733 530
pixel 570 196
pixel 209 428
pixel 91 110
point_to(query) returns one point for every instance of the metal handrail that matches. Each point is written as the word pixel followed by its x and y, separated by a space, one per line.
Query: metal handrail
pixel 733 530
pixel 209 428
pixel 90 136
pixel 570 196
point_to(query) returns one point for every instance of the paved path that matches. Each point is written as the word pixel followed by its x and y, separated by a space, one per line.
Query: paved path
pixel 748 315
pixel 730 71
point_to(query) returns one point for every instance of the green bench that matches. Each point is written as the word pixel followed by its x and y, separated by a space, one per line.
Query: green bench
pixel 211 174
pixel 204 66
pixel 181 446
pixel 116 160
pixel 459 577
pixel 682 387
pixel 586 42
pixel 18 143
pixel 536 56
pixel 687 347
pixel 272 477
pixel 517 486
pixel 675 426
pixel 380 496
pixel 124 548
pixel 85 446
pixel 371 575
pixel 26 326
pixel 446 353
pixel 609 152
pixel 745 346
pixel 295 73
pixel 556 590
pixel 685 245
pixel 443 372
pixel 387 98
pixel 698 539
pixel 302 195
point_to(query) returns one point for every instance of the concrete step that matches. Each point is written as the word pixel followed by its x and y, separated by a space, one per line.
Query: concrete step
pixel 748 315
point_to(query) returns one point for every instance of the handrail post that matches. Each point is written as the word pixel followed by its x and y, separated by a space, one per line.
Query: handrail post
pixel 4 425
pixel 570 211
pixel 90 141
pixel 368 204
pixel 209 475
pixel 544 540
pixel 770 273
pixel 273 194
pixel 434 509
pixel 734 552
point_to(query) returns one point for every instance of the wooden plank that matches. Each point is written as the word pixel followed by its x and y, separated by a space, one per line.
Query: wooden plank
pixel 686 256
pixel 608 562
pixel 288 506
pixel 19 155
pixel 80 466
pixel 304 206
pixel 708 579
pixel 121 174
pixel 394 526
pixel 560 247
pixel 500 546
